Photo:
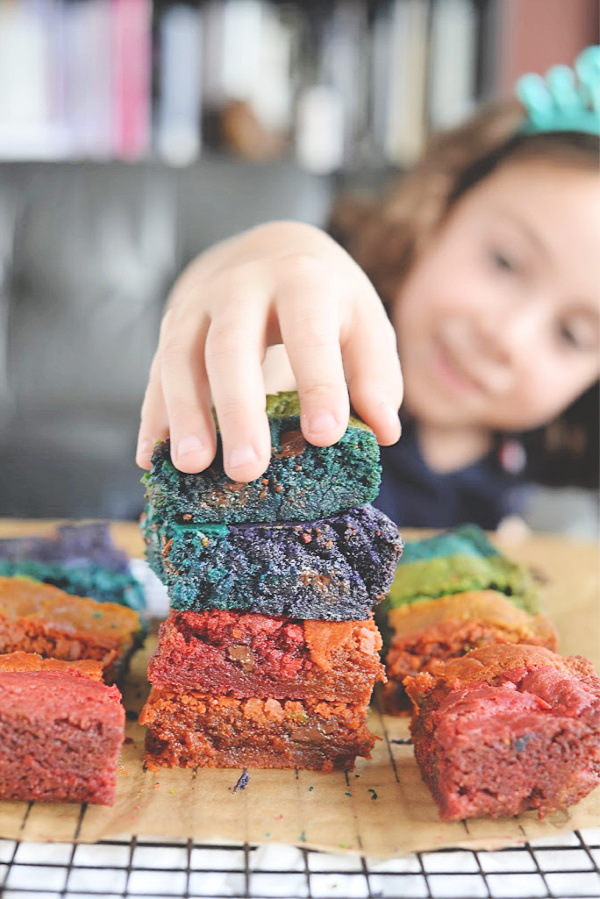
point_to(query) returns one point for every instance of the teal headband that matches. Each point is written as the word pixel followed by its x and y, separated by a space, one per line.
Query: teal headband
pixel 566 99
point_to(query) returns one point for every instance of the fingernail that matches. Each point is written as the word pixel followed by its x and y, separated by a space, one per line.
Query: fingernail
pixel 392 415
pixel 189 444
pixel 241 455
pixel 321 423
pixel 393 418
pixel 144 447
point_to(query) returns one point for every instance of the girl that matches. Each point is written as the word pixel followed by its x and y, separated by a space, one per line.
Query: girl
pixel 485 259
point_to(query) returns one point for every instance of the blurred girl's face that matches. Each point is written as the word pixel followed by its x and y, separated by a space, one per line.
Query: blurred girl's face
pixel 498 323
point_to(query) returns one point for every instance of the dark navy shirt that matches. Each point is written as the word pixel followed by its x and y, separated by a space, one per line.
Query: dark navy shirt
pixel 413 495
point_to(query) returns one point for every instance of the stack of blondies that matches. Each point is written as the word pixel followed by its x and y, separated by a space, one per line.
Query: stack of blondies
pixel 269 655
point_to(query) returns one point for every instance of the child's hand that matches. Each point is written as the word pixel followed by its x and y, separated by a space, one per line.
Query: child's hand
pixel 287 283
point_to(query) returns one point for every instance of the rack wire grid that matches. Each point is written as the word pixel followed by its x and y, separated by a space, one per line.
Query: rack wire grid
pixel 563 867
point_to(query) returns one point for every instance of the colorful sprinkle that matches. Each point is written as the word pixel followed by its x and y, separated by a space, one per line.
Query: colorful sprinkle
pixel 243 781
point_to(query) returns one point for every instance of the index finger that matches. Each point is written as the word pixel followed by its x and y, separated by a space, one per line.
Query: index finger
pixel 309 320
pixel 235 348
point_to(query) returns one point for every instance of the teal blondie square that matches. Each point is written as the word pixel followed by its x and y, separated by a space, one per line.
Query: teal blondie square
pixel 459 561
pixel 302 482
pixel 78 558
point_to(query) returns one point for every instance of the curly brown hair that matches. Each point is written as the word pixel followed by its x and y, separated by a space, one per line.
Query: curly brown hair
pixel 386 234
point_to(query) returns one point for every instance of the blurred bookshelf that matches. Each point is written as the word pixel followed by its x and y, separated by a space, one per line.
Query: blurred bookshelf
pixel 338 86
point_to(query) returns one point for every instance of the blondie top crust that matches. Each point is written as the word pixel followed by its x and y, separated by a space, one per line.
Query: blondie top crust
pixel 451 626
pixel 31 661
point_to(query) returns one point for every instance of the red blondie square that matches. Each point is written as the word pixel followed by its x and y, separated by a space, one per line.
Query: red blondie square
pixel 245 655
pixel 507 728
pixel 61 731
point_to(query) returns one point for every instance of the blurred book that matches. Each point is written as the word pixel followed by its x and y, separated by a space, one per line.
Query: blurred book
pixel 320 129
pixel 379 81
pixel 28 126
pixel 271 97
pixel 345 69
pixel 453 55
pixel 86 71
pixel 406 126
pixel 178 134
pixel 241 51
pixel 213 27
pixel 130 56
pixel 247 77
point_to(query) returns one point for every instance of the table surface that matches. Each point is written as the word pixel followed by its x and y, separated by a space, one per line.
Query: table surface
pixel 558 867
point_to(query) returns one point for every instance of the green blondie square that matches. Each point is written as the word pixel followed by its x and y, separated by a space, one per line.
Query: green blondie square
pixel 302 482
pixel 459 561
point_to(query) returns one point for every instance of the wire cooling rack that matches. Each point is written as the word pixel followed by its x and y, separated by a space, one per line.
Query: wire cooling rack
pixel 564 867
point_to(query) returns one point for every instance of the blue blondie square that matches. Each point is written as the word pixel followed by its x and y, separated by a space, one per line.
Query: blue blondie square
pixel 334 568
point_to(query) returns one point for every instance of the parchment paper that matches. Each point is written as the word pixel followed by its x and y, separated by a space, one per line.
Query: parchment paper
pixel 381 808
